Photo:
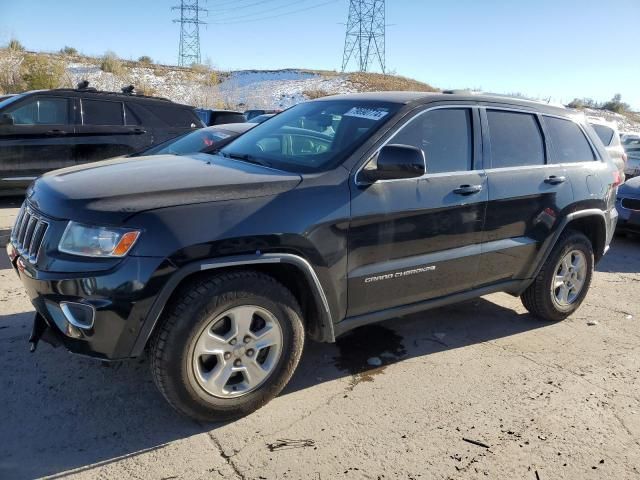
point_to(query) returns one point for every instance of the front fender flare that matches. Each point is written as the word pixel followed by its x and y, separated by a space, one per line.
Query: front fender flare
pixel 326 324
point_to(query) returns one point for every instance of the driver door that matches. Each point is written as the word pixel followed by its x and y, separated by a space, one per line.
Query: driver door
pixel 414 239
pixel 40 139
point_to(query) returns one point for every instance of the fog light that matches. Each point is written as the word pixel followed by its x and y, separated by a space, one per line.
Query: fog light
pixel 78 314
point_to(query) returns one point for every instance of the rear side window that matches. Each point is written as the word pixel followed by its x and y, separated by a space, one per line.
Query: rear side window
pixel 605 133
pixel 444 135
pixel 130 117
pixel 101 112
pixel 569 143
pixel 174 117
pixel 42 111
pixel 516 139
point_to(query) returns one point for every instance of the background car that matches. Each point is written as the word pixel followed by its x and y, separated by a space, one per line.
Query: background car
pixel 49 129
pixel 631 145
pixel 198 141
pixel 250 114
pixel 219 117
pixel 262 118
pixel 610 136
pixel 628 206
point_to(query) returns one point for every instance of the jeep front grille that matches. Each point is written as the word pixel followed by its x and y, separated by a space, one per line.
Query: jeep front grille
pixel 28 233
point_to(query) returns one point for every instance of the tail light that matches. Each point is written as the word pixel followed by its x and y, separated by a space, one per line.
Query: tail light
pixel 617 178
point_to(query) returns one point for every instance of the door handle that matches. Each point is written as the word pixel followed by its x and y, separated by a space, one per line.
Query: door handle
pixel 467 189
pixel 555 180
pixel 56 131
pixel 139 131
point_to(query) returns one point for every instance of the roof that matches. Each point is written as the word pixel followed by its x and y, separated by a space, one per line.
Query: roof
pixel 92 91
pixel 454 96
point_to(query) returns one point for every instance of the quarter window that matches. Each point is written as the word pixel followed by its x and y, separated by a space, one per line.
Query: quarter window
pixel 569 143
pixel 516 139
pixel 444 135
pixel 42 111
pixel 100 112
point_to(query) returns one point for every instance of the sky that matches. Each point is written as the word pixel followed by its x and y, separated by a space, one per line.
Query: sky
pixel 558 49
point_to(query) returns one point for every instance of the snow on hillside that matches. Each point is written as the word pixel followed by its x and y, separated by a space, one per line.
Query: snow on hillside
pixel 249 88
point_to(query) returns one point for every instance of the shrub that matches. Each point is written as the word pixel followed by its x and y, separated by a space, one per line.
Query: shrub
pixel 110 63
pixel 40 72
pixel 372 82
pixel 313 94
pixel 145 89
pixel 145 60
pixel 15 45
pixel 66 50
pixel 616 104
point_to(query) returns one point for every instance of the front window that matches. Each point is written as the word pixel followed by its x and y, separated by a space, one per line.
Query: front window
pixel 312 137
pixel 42 111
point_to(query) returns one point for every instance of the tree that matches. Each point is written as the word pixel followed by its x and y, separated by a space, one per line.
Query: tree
pixel 616 104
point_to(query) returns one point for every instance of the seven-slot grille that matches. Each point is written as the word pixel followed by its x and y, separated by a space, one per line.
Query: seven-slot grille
pixel 28 233
pixel 630 203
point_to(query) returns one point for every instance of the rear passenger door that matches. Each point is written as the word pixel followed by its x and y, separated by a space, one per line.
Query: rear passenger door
pixel 571 149
pixel 527 192
pixel 40 139
pixel 107 130
pixel 414 239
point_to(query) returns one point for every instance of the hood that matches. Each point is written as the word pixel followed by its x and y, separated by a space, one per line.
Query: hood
pixel 112 190
pixel 630 187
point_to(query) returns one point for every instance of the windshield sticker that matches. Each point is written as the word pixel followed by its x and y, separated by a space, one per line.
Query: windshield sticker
pixel 368 113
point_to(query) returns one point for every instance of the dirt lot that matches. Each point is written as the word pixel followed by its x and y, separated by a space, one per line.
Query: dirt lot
pixel 547 400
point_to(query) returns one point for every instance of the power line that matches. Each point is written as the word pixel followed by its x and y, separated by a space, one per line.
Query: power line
pixel 189 48
pixel 275 16
pixel 253 14
pixel 365 37
pixel 239 7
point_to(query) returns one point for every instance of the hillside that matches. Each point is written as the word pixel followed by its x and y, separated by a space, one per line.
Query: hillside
pixel 199 86
pixel 202 86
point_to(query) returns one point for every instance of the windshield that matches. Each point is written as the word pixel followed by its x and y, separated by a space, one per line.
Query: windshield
pixel 313 136
pixel 190 143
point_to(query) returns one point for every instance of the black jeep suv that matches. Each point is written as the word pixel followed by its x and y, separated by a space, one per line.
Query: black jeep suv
pixel 49 129
pixel 334 214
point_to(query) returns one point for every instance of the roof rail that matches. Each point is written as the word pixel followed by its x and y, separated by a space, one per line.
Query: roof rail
pixel 83 86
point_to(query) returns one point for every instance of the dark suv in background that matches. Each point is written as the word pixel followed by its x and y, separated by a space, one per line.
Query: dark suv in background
pixel 332 215
pixel 50 129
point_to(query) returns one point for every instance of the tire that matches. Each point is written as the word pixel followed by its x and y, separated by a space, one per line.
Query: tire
pixel 540 300
pixel 192 381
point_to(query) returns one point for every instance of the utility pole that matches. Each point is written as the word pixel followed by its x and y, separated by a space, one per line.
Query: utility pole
pixel 189 49
pixel 365 40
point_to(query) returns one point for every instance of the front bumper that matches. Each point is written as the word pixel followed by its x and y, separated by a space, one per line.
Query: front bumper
pixel 120 298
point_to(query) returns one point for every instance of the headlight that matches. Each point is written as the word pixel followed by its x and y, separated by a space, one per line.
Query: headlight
pixel 89 241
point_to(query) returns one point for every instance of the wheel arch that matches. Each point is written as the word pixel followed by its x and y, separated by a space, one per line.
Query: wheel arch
pixel 592 222
pixel 293 271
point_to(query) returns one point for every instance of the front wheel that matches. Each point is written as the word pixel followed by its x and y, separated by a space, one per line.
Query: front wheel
pixel 563 282
pixel 227 345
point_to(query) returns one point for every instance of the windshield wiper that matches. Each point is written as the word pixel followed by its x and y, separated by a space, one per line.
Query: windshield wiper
pixel 245 157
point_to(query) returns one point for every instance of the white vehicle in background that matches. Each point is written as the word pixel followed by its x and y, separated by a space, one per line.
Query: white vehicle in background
pixel 610 136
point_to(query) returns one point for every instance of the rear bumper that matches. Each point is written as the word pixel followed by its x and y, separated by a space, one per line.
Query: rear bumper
pixel 119 298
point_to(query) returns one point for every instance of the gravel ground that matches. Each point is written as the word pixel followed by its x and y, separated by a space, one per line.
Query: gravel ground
pixel 542 400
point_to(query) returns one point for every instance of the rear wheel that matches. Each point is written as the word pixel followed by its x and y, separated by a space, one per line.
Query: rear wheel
pixel 227 345
pixel 564 279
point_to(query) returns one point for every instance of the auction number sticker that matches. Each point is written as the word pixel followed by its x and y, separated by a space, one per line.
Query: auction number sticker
pixel 368 113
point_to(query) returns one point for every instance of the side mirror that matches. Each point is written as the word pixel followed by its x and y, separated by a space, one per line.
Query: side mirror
pixel 397 162
pixel 6 119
